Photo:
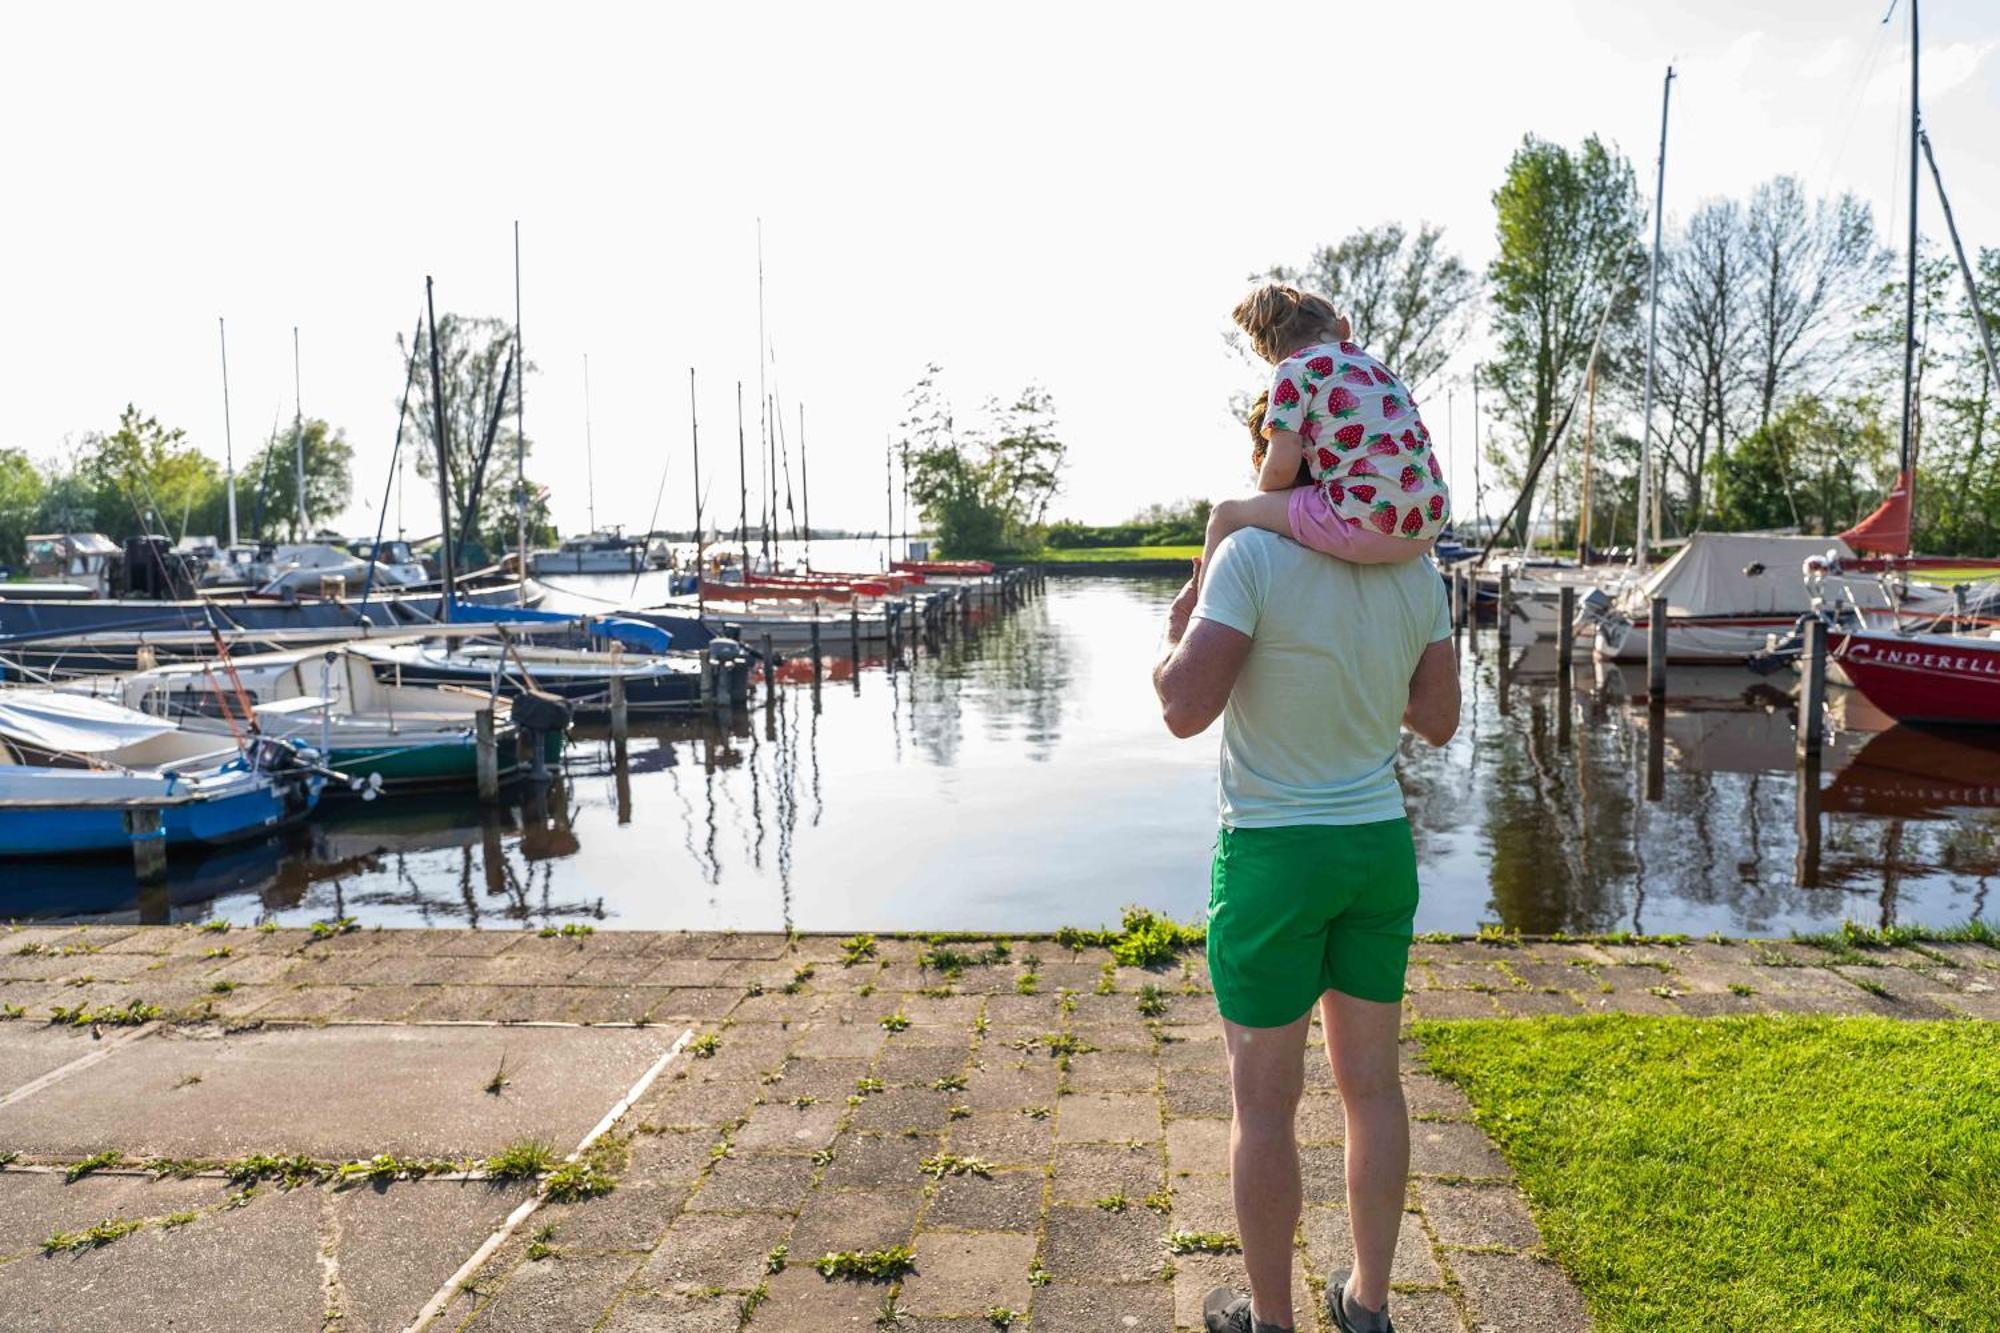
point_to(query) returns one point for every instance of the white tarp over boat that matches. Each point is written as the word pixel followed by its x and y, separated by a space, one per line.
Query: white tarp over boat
pixel 74 724
pixel 1710 576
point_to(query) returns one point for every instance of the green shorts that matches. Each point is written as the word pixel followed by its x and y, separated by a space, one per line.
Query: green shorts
pixel 1307 908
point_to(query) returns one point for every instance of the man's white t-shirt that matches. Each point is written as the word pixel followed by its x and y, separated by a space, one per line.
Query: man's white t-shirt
pixel 1314 720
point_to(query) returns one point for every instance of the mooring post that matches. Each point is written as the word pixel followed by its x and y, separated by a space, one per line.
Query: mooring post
pixel 816 657
pixel 770 673
pixel 486 748
pixel 534 747
pixel 1566 627
pixel 1812 691
pixel 148 833
pixel 1656 747
pixel 854 635
pixel 916 626
pixel 618 718
pixel 1806 809
pixel 1506 610
pixel 1656 650
pixel 1457 582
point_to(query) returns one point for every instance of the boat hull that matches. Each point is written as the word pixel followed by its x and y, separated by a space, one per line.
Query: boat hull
pixel 1938 678
pixel 82 829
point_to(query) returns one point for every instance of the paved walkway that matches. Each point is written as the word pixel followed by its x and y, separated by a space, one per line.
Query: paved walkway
pixel 1043 1130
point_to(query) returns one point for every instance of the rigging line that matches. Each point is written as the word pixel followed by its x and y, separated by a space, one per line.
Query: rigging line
pixel 653 523
pixel 785 458
pixel 1831 157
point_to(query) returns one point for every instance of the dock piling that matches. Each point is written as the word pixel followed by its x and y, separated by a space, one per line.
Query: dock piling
pixel 1503 615
pixel 147 830
pixel 1812 692
pixel 854 636
pixel 618 711
pixel 770 673
pixel 816 655
pixel 486 752
pixel 1656 650
pixel 1566 627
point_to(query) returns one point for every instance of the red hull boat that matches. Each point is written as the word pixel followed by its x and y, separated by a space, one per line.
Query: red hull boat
pixel 943 566
pixel 1925 677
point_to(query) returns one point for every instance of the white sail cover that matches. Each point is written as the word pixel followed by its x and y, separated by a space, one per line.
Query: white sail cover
pixel 73 723
pixel 1709 578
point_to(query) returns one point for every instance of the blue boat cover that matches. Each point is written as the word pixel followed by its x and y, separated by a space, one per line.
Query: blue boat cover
pixel 636 634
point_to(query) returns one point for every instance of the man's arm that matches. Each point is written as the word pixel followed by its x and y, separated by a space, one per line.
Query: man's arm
pixel 1203 659
pixel 1433 708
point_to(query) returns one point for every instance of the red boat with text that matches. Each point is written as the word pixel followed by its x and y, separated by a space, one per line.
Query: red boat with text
pixel 1952 678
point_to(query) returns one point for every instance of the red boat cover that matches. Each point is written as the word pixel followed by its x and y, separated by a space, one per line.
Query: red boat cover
pixel 1887 530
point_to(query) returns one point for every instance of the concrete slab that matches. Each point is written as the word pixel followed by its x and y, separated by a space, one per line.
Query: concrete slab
pixel 396 1245
pixel 36 1204
pixel 337 1092
pixel 30 1050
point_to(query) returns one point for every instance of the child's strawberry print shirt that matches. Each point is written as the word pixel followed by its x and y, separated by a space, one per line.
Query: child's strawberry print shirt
pixel 1366 446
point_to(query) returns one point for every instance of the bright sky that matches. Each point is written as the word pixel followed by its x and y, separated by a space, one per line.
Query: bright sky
pixel 1067 193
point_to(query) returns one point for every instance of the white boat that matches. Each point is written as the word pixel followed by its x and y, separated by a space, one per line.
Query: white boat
pixel 593 553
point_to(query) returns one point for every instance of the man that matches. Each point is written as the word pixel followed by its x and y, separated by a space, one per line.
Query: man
pixel 1314 665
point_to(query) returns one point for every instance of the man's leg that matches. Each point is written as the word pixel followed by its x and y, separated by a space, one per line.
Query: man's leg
pixel 1361 1047
pixel 1266 1078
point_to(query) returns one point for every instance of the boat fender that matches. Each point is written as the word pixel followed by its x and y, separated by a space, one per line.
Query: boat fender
pixel 724 650
pixel 538 710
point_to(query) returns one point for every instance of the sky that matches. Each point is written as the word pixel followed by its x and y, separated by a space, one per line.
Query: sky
pixel 1069 195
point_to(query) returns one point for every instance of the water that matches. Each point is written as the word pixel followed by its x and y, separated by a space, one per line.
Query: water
pixel 1023 781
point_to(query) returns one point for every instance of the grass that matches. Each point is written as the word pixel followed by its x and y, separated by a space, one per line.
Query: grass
pixel 63 1242
pixel 1094 555
pixel 95 1162
pixel 885 1265
pixel 1144 938
pixel 520 1161
pixel 1784 1172
pixel 130 1015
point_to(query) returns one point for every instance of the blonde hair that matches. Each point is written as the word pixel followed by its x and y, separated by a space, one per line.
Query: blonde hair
pixel 1280 320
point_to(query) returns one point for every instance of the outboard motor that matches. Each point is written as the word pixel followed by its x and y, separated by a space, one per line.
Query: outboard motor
pixel 725 667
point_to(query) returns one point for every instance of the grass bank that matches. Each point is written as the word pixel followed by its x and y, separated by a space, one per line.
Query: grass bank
pixel 1758 1172
pixel 1111 554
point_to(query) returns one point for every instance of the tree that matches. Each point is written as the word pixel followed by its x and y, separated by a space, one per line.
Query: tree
pixel 1958 491
pixel 145 477
pixel 1817 464
pixel 1568 229
pixel 1407 296
pixel 267 489
pixel 1700 375
pixel 1812 266
pixel 987 491
pixel 21 493
pixel 473 354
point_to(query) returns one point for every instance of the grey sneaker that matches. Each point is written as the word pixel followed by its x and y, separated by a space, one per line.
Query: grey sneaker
pixel 1226 1311
pixel 1354 1318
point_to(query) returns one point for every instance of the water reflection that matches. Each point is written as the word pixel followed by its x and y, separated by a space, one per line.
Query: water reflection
pixel 1013 775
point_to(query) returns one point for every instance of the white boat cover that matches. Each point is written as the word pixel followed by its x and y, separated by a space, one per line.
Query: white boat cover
pixel 74 723
pixel 1707 577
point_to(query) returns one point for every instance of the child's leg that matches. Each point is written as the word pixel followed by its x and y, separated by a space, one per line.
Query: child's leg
pixel 1315 523
pixel 1269 510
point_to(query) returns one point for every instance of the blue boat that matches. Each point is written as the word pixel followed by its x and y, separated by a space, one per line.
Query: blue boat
pixel 83 777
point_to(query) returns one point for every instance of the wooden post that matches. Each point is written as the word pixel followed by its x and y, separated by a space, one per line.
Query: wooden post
pixel 854 635
pixel 815 645
pixel 486 748
pixel 916 625
pixel 770 673
pixel 149 844
pixel 1656 747
pixel 533 749
pixel 618 717
pixel 1505 614
pixel 1812 691
pixel 1566 627
pixel 1656 650
pixel 1458 599
pixel 1806 808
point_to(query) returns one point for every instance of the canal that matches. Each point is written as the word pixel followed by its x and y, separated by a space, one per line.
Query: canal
pixel 1019 780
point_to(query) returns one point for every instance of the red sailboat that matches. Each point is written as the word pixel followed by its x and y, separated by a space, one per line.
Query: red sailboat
pixel 1952 678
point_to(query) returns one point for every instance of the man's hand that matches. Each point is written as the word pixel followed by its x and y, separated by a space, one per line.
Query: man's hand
pixel 1183 605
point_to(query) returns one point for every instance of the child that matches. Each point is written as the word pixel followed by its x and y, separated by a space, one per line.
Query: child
pixel 1377 493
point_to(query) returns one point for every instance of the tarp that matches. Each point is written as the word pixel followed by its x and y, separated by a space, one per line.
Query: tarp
pixel 1887 530
pixel 634 634
pixel 1726 574
pixel 73 723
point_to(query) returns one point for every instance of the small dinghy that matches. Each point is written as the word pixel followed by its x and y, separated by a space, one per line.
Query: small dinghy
pixel 583 679
pixel 82 776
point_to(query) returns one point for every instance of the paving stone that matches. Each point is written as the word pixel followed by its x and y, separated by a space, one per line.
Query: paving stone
pixel 828 1040
pixel 1108 1117
pixel 739 1184
pixel 557 1293
pixel 385 1278
pixel 1202 1203
pixel 897 1109
pixel 649 1312
pixel 1198 1147
pixel 710 1251
pixel 801 1301
pixel 1330 1243
pixel 920 1066
pixel 781 1126
pixel 1452 1004
pixel 830 1080
pixel 668 1156
pixel 1447 1148
pixel 1196 1092
pixel 1478 1216
pixel 1090 1245
pixel 632 1217
pixel 1321 1119
pixel 1003 1081
pixel 1421 1312
pixel 1007 1138
pixel 418 1091
pixel 969 1273
pixel 692 1094
pixel 28 1051
pixel 1534 1004
pixel 1005 1201
pixel 1144 1309
pixel 872 1219
pixel 1085 1173
pixel 1195 1275
pixel 869 1160
pixel 35 1205
pixel 1510 1294
pixel 1114 1071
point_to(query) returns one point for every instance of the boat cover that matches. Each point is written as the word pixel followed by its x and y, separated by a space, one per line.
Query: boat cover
pixel 1708 577
pixel 635 634
pixel 74 723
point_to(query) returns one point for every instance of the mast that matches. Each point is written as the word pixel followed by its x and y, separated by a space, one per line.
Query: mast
pixel 520 437
pixel 299 435
pixel 1908 451
pixel 1589 437
pixel 771 477
pixel 589 466
pixel 805 491
pixel 448 557
pixel 228 436
pixel 1478 491
pixel 763 404
pixel 1653 337
pixel 889 490
pixel 694 436
pixel 742 487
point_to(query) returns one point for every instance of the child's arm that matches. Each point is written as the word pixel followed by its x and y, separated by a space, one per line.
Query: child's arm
pixel 1280 472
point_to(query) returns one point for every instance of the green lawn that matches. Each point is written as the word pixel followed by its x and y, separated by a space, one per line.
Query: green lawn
pixel 1098 554
pixel 1751 1173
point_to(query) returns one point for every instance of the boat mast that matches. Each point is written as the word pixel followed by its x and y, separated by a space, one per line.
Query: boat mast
pixel 694 436
pixel 444 455
pixel 889 490
pixel 1647 503
pixel 520 438
pixel 228 436
pixel 805 491
pixel 1478 491
pixel 742 487
pixel 589 466
pixel 299 436
pixel 1908 451
pixel 1589 437
pixel 763 404
pixel 1964 268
